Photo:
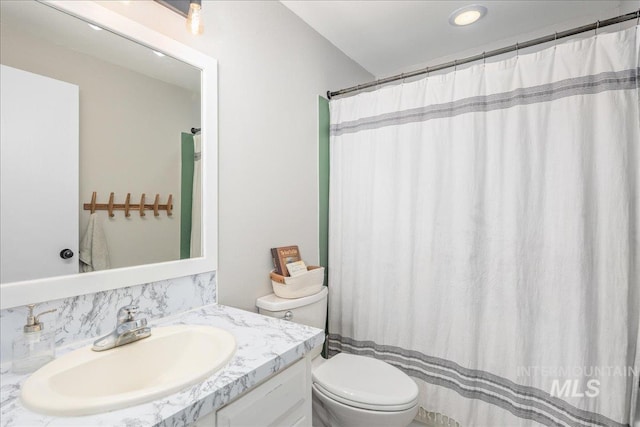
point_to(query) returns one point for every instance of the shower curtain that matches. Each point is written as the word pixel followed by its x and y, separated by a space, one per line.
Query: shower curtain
pixel 484 233
pixel 191 197
pixel 196 208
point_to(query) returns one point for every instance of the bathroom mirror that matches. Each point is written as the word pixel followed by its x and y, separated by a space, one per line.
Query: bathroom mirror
pixel 140 94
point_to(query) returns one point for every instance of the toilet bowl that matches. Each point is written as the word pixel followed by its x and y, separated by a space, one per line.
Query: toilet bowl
pixel 347 390
pixel 350 390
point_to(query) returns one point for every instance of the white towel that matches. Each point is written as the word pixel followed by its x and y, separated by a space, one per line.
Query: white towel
pixel 94 254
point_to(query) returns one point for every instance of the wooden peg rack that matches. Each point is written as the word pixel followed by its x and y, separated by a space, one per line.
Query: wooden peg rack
pixel 127 207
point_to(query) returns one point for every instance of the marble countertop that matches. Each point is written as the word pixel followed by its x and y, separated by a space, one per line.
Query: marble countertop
pixel 265 346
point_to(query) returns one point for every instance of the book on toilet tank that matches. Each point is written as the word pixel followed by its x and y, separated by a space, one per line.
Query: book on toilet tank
pixel 283 256
pixel 297 268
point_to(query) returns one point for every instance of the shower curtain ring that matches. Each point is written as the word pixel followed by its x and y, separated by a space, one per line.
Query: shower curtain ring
pixel 402 77
pixel 455 65
pixel 517 49
pixel 638 15
pixel 597 26
pixel 484 58
pixel 555 40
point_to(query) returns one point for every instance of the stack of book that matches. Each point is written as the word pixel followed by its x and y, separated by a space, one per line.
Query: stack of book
pixel 287 261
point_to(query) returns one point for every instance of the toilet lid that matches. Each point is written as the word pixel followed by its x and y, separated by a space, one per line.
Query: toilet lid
pixel 366 383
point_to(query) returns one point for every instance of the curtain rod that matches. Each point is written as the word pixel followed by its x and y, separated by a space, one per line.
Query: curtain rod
pixel 552 37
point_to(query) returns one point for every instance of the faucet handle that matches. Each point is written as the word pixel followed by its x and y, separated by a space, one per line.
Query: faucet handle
pixel 127 313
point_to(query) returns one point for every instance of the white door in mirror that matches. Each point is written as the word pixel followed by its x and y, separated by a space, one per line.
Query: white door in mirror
pixel 39 139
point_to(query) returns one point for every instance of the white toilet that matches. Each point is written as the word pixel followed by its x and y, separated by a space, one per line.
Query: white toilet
pixel 348 390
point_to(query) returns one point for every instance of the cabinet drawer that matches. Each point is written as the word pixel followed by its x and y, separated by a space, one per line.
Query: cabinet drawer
pixel 282 400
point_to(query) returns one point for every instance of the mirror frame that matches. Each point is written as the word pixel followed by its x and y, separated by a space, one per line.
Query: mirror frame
pixel 35 291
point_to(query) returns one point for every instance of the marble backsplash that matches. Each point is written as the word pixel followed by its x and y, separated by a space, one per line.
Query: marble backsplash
pixel 87 316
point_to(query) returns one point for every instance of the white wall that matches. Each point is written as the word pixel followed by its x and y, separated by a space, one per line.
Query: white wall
pixel 272 67
pixel 130 127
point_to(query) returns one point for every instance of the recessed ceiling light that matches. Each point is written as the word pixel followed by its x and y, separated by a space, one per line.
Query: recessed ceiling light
pixel 467 15
pixel 158 53
pixel 95 27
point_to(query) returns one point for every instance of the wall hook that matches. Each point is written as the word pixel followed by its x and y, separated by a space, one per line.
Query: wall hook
pixel 127 207
pixel 110 206
pixel 127 201
pixel 142 205
pixel 156 203
pixel 170 205
pixel 93 202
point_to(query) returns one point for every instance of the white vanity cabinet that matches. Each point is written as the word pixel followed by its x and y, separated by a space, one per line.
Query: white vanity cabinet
pixel 283 400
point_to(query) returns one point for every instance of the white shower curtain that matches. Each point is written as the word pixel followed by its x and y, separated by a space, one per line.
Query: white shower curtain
pixel 196 207
pixel 484 233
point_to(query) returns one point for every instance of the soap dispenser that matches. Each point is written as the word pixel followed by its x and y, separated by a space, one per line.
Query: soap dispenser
pixel 35 347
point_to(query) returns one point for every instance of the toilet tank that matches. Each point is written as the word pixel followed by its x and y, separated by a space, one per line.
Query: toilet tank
pixel 310 310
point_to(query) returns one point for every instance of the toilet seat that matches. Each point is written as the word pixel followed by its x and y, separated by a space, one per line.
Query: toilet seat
pixel 361 405
pixel 365 383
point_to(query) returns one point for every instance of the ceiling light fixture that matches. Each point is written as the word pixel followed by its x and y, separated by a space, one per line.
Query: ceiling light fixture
pixel 194 18
pixel 160 54
pixel 94 27
pixel 467 15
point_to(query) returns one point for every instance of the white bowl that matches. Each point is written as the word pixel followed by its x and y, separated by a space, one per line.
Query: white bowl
pixel 86 382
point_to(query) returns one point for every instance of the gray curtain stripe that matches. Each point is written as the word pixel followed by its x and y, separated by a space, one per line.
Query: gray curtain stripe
pixel 494 400
pixel 486 376
pixel 420 361
pixel 399 363
pixel 586 85
pixel 519 412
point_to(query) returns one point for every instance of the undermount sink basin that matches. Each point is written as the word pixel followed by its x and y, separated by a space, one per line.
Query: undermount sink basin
pixel 86 382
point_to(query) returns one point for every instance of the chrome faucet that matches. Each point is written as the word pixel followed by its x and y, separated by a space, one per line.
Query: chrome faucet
pixel 128 330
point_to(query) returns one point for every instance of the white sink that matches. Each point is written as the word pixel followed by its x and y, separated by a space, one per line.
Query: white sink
pixel 86 382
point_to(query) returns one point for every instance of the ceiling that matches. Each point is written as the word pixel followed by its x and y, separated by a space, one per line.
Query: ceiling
pixel 40 21
pixel 387 37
